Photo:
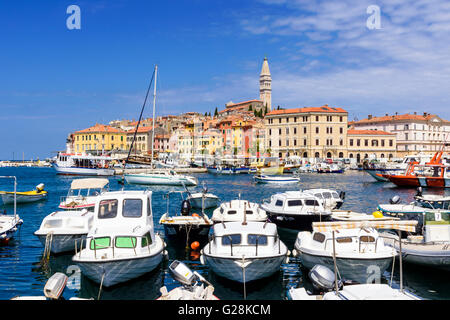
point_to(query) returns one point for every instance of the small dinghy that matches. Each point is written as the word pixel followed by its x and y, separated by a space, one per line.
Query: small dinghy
pixel 121 244
pixel 326 284
pixel 202 199
pixel 24 197
pixel 244 251
pixel 432 201
pixel 192 285
pixel 260 178
pixel 234 211
pixel 61 229
pixel 83 192
pixel 185 224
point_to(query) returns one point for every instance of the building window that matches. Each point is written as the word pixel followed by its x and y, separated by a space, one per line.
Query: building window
pixel 358 142
pixel 304 142
pixel 366 142
pixel 304 130
pixel 351 142
pixel 317 142
pixel 317 129
pixel 317 118
pixel 391 143
pixel 341 130
pixel 341 119
pixel 295 130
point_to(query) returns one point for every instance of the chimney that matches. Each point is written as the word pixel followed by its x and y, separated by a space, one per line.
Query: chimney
pixel 424 114
pixel 415 113
pixel 369 117
pixel 387 114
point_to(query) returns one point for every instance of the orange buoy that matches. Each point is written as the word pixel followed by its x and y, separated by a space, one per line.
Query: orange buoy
pixel 195 245
pixel 195 215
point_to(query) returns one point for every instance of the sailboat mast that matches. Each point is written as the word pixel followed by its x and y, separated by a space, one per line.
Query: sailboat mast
pixel 153 120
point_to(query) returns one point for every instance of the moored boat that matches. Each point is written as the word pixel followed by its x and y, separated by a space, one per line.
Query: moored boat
pixel 244 251
pixel 83 192
pixel 121 244
pixel 24 197
pixel 235 210
pixel 260 178
pixel 160 177
pixel 84 165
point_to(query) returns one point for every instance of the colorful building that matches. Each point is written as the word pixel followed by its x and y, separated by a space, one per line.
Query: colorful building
pixel 99 139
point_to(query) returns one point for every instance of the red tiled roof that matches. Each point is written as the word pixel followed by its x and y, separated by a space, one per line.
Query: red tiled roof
pixel 399 117
pixel 325 109
pixel 366 132
pixel 100 128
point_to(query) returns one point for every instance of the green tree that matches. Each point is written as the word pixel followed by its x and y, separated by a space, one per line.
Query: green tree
pixel 250 108
pixel 265 110
pixel 216 113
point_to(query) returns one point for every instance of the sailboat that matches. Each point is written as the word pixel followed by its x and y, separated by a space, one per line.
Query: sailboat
pixel 160 176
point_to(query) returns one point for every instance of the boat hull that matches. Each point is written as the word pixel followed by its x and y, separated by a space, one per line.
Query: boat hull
pixel 208 202
pixel 301 222
pixel 119 271
pixel 230 268
pixel 149 180
pixel 61 242
pixel 360 270
pixel 426 182
pixel 8 198
pixel 275 180
pixel 74 171
pixel 193 231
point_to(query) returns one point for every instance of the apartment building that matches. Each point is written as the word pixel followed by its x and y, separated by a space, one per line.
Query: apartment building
pixel 371 144
pixel 414 132
pixel 99 138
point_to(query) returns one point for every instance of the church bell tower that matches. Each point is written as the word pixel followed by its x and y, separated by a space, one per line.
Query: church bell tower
pixel 265 86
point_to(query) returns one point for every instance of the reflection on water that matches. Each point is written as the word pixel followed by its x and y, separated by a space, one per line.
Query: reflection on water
pixel 23 273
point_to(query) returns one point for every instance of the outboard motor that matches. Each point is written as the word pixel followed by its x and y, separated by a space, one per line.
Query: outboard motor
pixel 185 208
pixel 40 187
pixel 419 191
pixel 182 273
pixel 394 200
pixel 342 195
pixel 55 286
pixel 323 278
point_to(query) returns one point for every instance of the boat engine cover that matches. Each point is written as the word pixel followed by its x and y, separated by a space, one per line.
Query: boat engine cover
pixel 322 278
pixel 55 286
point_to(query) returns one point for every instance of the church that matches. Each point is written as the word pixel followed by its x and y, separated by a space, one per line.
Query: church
pixel 265 96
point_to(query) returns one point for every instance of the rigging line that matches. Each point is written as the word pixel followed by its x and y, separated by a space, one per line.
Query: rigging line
pixel 140 116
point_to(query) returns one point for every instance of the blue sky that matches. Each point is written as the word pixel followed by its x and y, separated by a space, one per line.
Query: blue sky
pixel 54 80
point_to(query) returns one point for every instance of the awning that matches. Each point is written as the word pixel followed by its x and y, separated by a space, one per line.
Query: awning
pixel 393 224
pixel 89 183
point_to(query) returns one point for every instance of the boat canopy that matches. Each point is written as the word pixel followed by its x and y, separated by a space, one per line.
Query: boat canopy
pixel 406 225
pixel 89 183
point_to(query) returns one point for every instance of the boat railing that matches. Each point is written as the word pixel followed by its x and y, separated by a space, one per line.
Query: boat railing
pixel 256 245
pixel 111 246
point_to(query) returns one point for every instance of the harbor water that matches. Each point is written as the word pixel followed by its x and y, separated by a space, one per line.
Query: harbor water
pixel 24 273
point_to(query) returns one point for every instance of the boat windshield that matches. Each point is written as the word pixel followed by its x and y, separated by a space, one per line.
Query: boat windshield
pixel 107 209
pixel 311 202
pixel 257 239
pixel 231 239
pixel 132 208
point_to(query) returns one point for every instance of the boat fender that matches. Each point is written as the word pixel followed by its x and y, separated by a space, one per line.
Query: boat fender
pixel 202 260
pixel 165 253
pixel 294 253
pixel 286 260
pixel 342 195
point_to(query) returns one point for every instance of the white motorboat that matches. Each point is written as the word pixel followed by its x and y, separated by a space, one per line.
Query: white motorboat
pixel 83 192
pixel 9 223
pixel 24 197
pixel 326 284
pixel 432 249
pixel 234 211
pixel 244 251
pixel 121 244
pixel 185 224
pixel 260 178
pixel 329 168
pixel 84 165
pixel 295 210
pixel 61 229
pixel 53 289
pixel 192 285
pixel 160 177
pixel 359 252
pixel 330 198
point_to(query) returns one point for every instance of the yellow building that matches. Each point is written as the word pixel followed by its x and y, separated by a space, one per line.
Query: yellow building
pixel 311 132
pixel 371 144
pixel 99 138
